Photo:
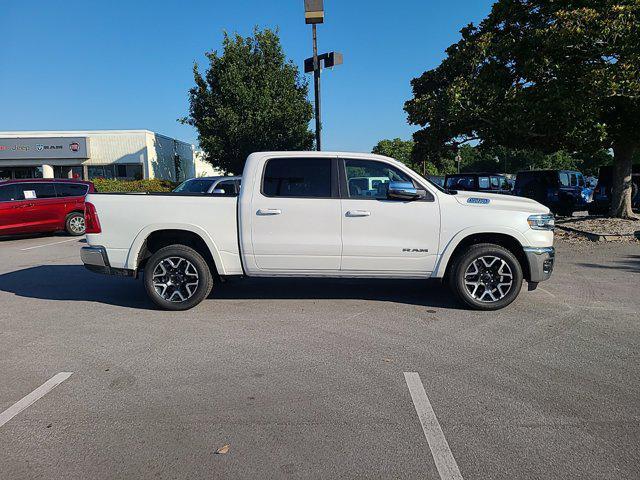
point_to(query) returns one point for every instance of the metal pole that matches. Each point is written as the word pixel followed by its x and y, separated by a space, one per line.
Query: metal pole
pixel 316 87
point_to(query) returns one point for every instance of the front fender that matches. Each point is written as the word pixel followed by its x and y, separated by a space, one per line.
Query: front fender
pixel 449 248
pixel 141 237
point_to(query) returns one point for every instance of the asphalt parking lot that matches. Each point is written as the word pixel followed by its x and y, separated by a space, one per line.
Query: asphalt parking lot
pixel 309 378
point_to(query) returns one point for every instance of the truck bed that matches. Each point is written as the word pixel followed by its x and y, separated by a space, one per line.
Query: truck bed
pixel 127 219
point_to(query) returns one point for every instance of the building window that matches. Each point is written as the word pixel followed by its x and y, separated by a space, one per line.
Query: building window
pixel 124 171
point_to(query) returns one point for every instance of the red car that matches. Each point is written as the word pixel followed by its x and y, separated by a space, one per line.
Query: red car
pixel 43 205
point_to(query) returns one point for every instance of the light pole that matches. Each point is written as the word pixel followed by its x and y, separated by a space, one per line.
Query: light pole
pixel 313 15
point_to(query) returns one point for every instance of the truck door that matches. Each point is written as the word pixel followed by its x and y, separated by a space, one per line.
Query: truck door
pixel 296 216
pixel 381 235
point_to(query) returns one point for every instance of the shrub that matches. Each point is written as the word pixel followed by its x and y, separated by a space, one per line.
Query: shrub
pixel 106 185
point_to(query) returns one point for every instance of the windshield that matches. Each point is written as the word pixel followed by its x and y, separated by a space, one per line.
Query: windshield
pixel 194 186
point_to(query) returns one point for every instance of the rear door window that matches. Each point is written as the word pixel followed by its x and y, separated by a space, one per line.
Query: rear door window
pixel 229 188
pixel 298 177
pixel 71 189
pixel 564 179
pixel 31 191
pixel 194 186
pixel 8 193
pixel 484 183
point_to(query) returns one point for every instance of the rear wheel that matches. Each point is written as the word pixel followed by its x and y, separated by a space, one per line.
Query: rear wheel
pixel 74 224
pixel 177 278
pixel 486 277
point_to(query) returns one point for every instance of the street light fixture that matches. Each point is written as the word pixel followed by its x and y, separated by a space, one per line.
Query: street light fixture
pixel 313 15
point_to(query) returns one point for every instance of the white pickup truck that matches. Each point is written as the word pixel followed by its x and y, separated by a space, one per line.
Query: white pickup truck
pixel 316 214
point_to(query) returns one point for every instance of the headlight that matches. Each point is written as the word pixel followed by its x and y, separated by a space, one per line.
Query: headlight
pixel 542 222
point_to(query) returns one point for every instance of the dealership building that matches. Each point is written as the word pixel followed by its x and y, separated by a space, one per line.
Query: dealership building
pixel 125 154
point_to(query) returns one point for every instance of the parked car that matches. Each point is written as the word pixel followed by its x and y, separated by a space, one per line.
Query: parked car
pixel 296 216
pixel 477 182
pixel 602 193
pixel 227 186
pixel 563 191
pixel 43 205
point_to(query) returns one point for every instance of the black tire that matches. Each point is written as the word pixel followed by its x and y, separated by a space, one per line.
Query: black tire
pixel 74 224
pixel 463 263
pixel 185 298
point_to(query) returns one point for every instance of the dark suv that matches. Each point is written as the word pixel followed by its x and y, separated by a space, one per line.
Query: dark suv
pixel 563 191
pixel 477 182
pixel 602 194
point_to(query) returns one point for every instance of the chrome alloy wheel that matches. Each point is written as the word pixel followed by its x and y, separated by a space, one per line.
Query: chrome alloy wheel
pixel 175 279
pixel 76 224
pixel 488 279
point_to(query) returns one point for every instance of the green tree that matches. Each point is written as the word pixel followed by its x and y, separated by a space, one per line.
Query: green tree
pixel 402 150
pixel 250 99
pixel 542 75
pixel 397 149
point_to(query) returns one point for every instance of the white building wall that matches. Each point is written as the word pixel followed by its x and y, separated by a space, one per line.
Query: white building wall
pixel 203 168
pixel 106 149
pixel 161 157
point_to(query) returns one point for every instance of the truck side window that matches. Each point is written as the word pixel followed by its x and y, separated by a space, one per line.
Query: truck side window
pixel 297 177
pixel 483 183
pixel 564 179
pixel 370 179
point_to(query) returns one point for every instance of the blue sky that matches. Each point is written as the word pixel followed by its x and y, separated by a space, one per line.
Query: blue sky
pixel 127 64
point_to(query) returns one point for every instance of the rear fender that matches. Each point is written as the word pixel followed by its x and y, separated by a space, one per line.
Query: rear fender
pixel 138 242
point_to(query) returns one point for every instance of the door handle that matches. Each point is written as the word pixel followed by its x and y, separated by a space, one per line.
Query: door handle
pixel 358 213
pixel 269 211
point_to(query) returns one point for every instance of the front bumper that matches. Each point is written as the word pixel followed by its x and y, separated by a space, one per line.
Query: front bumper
pixel 541 261
pixel 97 260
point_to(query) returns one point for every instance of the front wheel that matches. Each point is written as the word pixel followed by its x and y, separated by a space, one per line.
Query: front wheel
pixel 177 278
pixel 486 277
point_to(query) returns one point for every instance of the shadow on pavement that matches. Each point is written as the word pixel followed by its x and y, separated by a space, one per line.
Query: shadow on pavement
pixel 630 264
pixel 75 283
pixel 424 293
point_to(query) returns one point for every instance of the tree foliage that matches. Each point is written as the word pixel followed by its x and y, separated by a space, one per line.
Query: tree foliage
pixel 543 75
pixel 250 99
pixel 397 149
pixel 402 150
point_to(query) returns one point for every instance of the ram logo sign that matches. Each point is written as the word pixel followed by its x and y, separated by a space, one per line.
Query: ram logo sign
pixel 478 201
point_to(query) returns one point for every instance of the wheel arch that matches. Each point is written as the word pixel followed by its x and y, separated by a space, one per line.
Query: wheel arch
pixel 512 240
pixel 151 239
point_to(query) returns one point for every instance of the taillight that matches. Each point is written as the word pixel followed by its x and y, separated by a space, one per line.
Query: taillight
pixel 91 221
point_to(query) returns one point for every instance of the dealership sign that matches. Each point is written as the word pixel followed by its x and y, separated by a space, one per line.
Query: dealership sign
pixel 44 148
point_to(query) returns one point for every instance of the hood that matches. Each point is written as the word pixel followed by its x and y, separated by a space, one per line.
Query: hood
pixel 499 202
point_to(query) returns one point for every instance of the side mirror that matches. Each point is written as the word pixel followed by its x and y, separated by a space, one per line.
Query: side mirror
pixel 218 191
pixel 403 191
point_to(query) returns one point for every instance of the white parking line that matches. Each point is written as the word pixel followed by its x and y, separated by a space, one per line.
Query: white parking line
pixel 30 399
pixel 49 244
pixel 442 456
